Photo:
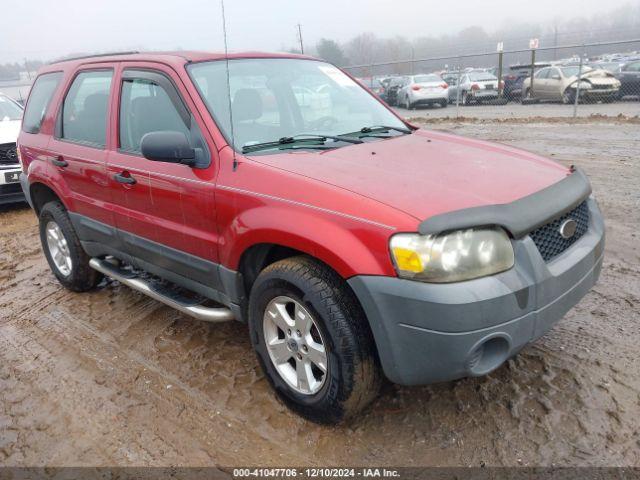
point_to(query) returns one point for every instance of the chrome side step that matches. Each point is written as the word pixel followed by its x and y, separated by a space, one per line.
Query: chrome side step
pixel 130 279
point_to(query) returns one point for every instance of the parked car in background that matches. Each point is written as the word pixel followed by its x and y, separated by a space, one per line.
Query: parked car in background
pixel 425 89
pixel 629 77
pixel 375 85
pixel 475 87
pixel 613 67
pixel 10 119
pixel 513 78
pixel 393 87
pixel 560 83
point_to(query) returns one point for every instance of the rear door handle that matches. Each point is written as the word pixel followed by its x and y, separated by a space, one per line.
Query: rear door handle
pixel 124 177
pixel 59 161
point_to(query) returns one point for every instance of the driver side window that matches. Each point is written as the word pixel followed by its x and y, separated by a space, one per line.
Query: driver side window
pixel 542 73
pixel 146 107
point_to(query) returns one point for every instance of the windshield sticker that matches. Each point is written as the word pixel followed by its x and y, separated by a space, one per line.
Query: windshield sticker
pixel 336 75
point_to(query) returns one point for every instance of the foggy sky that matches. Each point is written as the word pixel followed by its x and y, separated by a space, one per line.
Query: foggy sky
pixel 46 29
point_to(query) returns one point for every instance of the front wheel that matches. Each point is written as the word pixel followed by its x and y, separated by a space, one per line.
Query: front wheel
pixel 313 341
pixel 568 97
pixel 62 248
pixel 408 103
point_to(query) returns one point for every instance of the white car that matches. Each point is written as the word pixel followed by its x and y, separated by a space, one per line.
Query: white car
pixel 427 89
pixel 10 121
pixel 475 86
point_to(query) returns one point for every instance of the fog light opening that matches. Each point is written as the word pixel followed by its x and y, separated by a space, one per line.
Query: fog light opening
pixel 488 356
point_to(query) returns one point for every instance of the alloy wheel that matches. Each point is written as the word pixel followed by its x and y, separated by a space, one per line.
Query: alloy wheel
pixel 295 345
pixel 58 248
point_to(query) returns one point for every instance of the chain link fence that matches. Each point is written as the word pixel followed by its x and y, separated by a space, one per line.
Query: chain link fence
pixel 561 81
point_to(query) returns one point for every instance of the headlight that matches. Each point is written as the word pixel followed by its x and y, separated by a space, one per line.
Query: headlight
pixel 453 256
pixel 585 85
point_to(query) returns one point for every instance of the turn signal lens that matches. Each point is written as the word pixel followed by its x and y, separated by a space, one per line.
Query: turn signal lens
pixel 415 87
pixel 19 155
pixel 407 260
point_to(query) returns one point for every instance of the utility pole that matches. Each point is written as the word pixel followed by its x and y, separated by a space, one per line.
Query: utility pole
pixel 26 67
pixel 555 41
pixel 300 38
pixel 500 61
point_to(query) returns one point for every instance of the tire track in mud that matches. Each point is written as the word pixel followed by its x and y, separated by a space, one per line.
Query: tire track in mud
pixel 99 366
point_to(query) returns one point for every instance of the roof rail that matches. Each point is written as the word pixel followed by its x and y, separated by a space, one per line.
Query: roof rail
pixel 109 54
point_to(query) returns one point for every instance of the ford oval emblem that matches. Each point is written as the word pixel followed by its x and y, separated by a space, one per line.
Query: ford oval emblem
pixel 568 228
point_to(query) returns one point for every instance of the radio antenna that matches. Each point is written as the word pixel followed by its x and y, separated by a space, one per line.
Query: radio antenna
pixel 226 55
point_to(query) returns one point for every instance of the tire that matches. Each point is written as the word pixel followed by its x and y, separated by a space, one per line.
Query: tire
pixel 352 375
pixel 444 104
pixel 79 277
pixel 465 99
pixel 568 97
pixel 409 104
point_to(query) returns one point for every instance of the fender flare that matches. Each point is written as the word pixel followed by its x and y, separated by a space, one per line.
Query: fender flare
pixel 344 250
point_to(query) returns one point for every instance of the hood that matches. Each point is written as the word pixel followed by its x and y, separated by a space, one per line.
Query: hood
pixel 596 76
pixel 9 131
pixel 426 173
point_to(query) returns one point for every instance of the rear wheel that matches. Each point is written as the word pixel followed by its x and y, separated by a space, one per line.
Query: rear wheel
pixel 313 341
pixel 63 251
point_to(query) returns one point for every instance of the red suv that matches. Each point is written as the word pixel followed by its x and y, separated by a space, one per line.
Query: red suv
pixel 275 190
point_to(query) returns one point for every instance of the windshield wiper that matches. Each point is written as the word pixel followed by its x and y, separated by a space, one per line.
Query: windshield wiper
pixel 382 128
pixel 306 140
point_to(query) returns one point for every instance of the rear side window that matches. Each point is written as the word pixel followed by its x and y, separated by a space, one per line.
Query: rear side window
pixel 39 99
pixel 84 113
pixel 146 107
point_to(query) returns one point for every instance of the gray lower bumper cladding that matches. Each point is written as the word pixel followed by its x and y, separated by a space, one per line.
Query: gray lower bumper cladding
pixel 428 333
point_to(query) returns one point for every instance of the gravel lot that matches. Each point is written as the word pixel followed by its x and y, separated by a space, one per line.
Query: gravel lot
pixel 114 378
pixel 629 108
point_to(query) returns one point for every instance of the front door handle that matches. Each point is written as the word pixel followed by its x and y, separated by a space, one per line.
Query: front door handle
pixel 59 161
pixel 124 177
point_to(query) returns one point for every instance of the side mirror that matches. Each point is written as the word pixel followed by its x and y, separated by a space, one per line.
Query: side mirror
pixel 168 146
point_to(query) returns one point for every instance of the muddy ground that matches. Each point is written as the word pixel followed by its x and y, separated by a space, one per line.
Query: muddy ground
pixel 114 378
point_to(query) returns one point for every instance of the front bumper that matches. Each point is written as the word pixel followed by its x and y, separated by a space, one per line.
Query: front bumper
pixel 598 93
pixel 428 333
pixel 10 190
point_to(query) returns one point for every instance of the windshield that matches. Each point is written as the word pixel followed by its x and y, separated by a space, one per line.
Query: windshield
pixel 9 110
pixel 275 98
pixel 572 71
pixel 426 78
pixel 481 77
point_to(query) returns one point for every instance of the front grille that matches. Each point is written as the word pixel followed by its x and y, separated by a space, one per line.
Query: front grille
pixel 548 239
pixel 8 154
pixel 10 188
